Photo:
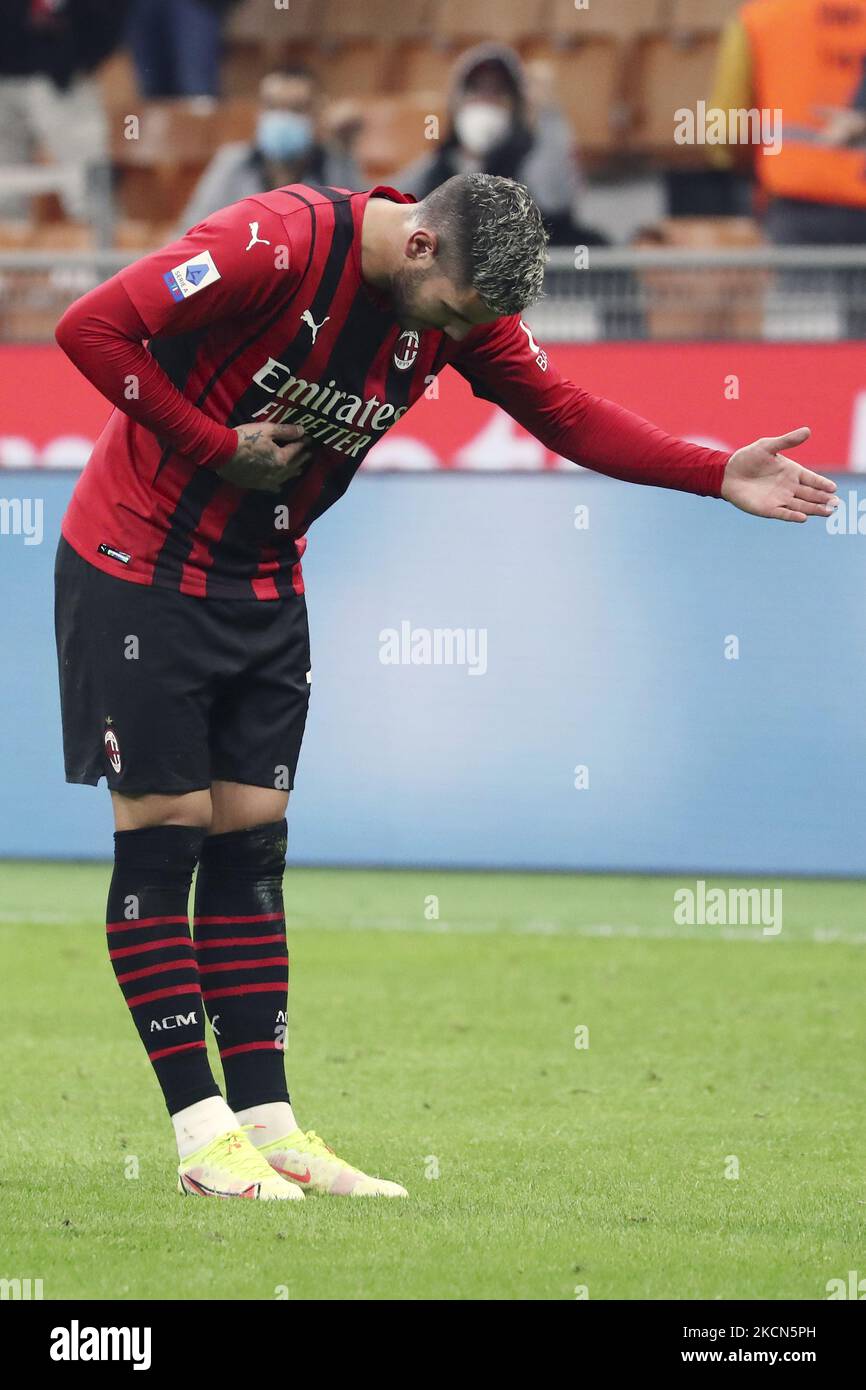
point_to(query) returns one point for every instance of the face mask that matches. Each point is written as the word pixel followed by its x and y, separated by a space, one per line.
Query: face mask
pixel 480 126
pixel 284 135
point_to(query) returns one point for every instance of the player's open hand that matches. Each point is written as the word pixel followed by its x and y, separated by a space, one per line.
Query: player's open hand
pixel 761 480
pixel 267 456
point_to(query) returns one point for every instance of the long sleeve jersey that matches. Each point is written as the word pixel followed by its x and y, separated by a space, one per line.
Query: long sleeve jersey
pixel 261 313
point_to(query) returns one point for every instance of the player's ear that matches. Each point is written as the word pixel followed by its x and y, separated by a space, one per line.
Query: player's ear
pixel 422 245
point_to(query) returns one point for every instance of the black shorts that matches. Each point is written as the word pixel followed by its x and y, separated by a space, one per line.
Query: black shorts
pixel 163 692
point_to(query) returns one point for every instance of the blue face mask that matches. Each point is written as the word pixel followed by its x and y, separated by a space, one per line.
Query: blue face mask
pixel 284 135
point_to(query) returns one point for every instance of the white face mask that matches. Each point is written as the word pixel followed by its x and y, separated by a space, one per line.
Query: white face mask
pixel 480 125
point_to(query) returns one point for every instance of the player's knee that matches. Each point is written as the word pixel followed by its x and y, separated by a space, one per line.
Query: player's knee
pixel 191 809
pixel 238 807
pixel 256 853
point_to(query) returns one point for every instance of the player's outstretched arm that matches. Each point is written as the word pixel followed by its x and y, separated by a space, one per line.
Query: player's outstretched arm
pixel 503 363
pixel 761 480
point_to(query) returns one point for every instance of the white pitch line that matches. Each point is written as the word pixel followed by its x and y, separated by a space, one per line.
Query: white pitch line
pixel 820 936
pixel 615 930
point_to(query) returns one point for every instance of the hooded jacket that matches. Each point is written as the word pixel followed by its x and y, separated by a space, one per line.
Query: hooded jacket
pixel 537 152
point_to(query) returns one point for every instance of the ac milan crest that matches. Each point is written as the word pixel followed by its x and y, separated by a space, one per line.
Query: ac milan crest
pixel 406 350
pixel 112 747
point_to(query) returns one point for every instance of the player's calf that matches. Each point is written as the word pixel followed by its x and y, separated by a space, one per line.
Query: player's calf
pixel 152 953
pixel 240 943
pixel 151 950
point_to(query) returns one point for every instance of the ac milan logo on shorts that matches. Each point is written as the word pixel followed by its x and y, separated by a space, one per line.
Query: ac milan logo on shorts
pixel 406 350
pixel 112 747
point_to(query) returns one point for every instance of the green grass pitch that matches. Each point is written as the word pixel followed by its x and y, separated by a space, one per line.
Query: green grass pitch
pixel 447 1046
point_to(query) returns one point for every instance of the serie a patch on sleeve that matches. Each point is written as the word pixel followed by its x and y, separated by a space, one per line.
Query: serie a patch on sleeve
pixel 191 276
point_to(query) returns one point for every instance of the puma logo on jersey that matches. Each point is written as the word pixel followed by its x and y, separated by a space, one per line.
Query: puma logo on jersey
pixel 255 239
pixel 307 318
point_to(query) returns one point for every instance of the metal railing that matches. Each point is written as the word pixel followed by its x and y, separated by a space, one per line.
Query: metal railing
pixel 764 293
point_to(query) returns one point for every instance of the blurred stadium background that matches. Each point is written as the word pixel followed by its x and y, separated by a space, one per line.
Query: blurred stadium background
pixel 617 725
pixel 661 685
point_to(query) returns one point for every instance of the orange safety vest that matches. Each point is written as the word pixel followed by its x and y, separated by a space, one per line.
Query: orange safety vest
pixel 805 54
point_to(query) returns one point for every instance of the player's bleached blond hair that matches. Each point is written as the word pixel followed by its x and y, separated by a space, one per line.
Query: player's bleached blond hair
pixel 492 237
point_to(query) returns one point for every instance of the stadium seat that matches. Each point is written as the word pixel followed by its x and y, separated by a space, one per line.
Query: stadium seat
pixel 393 132
pixel 256 22
pixel 16 235
pixel 31 301
pixel 605 18
pixel 177 131
pixel 586 79
pixel 260 37
pixel 424 67
pixel 462 21
pixel 26 323
pixel 382 20
pixel 235 119
pixel 159 159
pixel 358 50
pixel 353 69
pixel 701 16
pixel 245 22
pixel 243 67
pixel 160 191
pixel 176 140
pixel 669 74
pixel 709 233
pixel 118 82
pixel 63 236
pixel 704 303
pixel 140 234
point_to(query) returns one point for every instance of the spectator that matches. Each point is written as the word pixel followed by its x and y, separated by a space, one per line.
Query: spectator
pixel 49 102
pixel 802 57
pixel 176 46
pixel 492 129
pixel 286 148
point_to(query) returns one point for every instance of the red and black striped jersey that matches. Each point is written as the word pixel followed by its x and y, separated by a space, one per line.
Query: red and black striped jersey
pixel 261 313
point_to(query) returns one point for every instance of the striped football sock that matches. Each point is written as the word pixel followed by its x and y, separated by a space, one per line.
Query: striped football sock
pixel 151 951
pixel 240 942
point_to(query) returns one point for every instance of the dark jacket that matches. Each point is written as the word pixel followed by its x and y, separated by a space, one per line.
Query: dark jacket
pixel 68 38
